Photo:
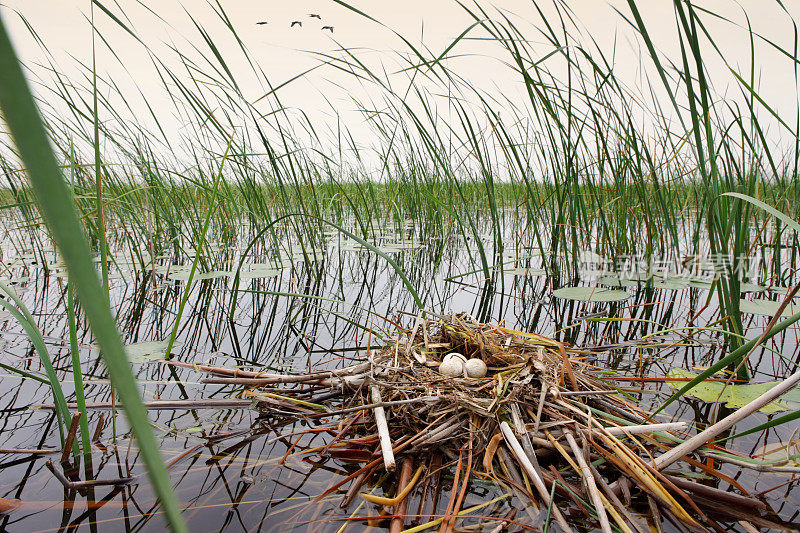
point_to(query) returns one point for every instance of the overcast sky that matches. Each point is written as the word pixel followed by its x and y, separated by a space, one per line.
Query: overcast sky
pixel 283 51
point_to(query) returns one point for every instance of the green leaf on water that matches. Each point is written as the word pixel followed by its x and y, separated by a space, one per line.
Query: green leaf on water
pixel 783 290
pixel 591 294
pixel 144 352
pixel 525 271
pixel 779 451
pixel 670 284
pixel 183 275
pixel 401 246
pixel 760 306
pixel 700 283
pixel 257 270
pixel 751 287
pixel 734 395
pixel 214 274
pixel 612 281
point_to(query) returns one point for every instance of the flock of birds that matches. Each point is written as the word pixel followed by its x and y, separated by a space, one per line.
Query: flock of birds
pixel 300 23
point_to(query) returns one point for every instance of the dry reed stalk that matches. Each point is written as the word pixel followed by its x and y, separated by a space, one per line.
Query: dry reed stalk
pixel 515 446
pixel 354 489
pixel 383 430
pixel 397 523
pixel 616 503
pixel 30 451
pixel 591 487
pixel 646 428
pixel 70 440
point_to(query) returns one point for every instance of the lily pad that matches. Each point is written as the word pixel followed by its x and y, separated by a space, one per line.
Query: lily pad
pixel 591 294
pixel 674 284
pixel 588 256
pixel 614 281
pixel 144 352
pixel 214 274
pixel 257 270
pixel 778 451
pixel 784 291
pixel 119 274
pixel 670 284
pixel 701 283
pixel 388 248
pixel 734 395
pixel 525 271
pixel 751 287
pixel 183 275
pixel 760 306
pixel 400 246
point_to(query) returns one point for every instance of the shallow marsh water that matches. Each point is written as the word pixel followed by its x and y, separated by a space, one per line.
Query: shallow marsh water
pixel 240 470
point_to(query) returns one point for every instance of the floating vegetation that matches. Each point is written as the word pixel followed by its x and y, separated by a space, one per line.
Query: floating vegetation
pixel 734 395
pixel 145 352
pixel 671 284
pixel 700 283
pixel 752 287
pixel 591 294
pixel 257 270
pixel 760 306
pixel 525 271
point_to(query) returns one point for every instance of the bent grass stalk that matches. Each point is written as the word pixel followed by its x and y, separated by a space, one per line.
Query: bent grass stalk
pixel 77 377
pixel 56 203
pixel 77 372
pixel 20 312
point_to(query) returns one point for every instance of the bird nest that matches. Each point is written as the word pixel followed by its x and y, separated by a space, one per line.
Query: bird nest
pixel 540 425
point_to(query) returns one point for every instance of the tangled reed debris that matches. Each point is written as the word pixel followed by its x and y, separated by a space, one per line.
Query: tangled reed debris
pixel 539 425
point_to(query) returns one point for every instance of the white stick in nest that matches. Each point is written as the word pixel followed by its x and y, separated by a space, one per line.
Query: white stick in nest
pixel 591 486
pixel 646 428
pixel 526 464
pixel 383 430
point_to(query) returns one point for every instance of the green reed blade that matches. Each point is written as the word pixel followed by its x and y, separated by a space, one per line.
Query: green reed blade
pixel 56 203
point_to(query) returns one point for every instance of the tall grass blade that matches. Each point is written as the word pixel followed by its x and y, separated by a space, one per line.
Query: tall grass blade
pixel 56 203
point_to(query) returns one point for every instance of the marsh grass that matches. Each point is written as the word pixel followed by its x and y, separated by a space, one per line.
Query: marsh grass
pixel 55 201
pixel 570 168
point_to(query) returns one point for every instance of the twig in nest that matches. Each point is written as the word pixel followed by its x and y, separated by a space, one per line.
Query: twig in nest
pixel 383 430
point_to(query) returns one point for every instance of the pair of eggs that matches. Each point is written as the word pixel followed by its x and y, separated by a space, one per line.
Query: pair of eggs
pixel 455 365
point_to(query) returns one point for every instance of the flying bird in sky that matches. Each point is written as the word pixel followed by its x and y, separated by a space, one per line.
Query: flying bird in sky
pixel 262 22
pixel 315 16
pixel 328 28
pixel 296 23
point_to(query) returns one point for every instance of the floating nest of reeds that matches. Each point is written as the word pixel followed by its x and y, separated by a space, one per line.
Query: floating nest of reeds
pixel 538 424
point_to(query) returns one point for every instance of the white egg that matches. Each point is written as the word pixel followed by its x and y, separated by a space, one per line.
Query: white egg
pixel 452 365
pixel 476 368
pixel 454 355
